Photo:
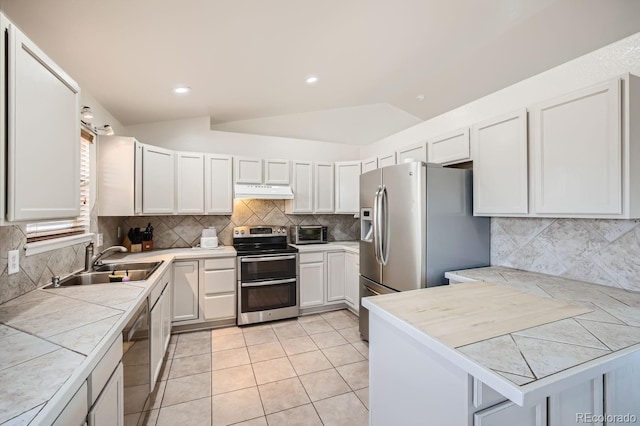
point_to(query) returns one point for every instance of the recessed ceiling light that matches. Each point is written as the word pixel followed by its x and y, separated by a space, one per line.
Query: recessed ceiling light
pixel 420 98
pixel 311 80
pixel 181 90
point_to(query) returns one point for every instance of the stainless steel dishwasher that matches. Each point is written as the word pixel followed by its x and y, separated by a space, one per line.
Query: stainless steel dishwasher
pixel 136 361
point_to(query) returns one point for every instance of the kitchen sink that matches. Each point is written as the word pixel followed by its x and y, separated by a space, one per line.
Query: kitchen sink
pixel 135 272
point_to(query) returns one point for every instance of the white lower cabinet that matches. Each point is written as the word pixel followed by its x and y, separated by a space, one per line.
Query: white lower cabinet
pixel 312 279
pixel 622 391
pixel 159 325
pixel 219 290
pixel 572 406
pixel 510 414
pixel 335 276
pixel 75 412
pixel 185 290
pixel 351 280
pixel 108 410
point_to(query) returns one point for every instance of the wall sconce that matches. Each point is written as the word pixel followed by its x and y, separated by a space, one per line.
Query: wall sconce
pixel 105 130
pixel 86 113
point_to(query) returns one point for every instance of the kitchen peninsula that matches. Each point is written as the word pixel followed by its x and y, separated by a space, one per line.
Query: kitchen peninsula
pixel 579 357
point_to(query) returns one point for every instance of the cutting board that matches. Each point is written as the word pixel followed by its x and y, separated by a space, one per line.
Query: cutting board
pixel 467 313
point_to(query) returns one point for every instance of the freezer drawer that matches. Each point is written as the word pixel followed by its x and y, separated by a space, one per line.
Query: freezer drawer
pixel 369 288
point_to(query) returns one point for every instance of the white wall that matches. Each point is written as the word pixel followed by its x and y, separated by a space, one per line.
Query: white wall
pixel 610 61
pixel 195 134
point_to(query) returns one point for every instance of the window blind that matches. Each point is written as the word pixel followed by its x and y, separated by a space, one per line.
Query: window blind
pixel 42 231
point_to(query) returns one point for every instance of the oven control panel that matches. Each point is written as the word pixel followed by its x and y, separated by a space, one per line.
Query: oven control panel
pixel 259 231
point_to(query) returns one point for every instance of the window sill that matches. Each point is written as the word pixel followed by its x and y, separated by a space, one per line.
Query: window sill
pixel 58 243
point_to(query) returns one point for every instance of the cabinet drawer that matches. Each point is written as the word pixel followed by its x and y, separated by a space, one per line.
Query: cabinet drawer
pixel 219 281
pixel 311 257
pixel 219 307
pixel 509 414
pixel 76 410
pixel 100 375
pixel 222 263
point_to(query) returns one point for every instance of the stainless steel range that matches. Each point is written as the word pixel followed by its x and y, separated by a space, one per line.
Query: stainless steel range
pixel 268 286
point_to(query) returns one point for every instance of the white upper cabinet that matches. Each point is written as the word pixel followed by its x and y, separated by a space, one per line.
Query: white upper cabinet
pixel 578 152
pixel 387 160
pixel 218 184
pixel 416 152
pixel 189 182
pixel 369 164
pixel 158 184
pixel 276 172
pixel 40 126
pixel 323 188
pixel 347 187
pixel 450 148
pixel 500 174
pixel 302 186
pixel 119 176
pixel 248 170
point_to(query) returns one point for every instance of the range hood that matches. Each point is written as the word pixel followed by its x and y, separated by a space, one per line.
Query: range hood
pixel 264 192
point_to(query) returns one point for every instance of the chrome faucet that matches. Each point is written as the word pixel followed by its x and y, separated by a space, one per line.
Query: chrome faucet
pixel 90 261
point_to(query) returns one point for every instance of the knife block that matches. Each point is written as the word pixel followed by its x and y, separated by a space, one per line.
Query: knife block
pixel 133 248
pixel 147 245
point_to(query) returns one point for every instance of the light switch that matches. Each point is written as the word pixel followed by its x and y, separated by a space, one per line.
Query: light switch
pixel 14 262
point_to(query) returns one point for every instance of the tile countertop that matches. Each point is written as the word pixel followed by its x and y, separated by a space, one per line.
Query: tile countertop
pixel 350 246
pixel 52 339
pixel 530 364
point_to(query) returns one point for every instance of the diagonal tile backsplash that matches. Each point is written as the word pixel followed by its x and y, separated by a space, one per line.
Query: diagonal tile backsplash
pixel 602 251
pixel 185 231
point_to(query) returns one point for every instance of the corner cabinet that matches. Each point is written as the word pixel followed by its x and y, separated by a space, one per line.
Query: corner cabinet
pixel 40 127
pixel 500 172
pixel 157 180
pixel 185 290
pixel 347 187
pixel 323 188
pixel 119 176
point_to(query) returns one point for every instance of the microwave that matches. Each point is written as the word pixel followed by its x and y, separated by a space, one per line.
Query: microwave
pixel 308 234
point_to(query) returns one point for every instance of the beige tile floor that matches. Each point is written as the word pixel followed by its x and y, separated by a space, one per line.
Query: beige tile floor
pixel 313 370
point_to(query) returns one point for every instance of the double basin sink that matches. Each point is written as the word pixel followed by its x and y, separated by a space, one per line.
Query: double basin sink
pixel 136 271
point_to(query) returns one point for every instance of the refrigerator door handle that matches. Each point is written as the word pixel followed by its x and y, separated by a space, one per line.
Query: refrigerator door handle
pixel 376 232
pixel 384 225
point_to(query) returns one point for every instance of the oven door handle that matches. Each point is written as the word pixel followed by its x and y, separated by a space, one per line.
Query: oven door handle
pixel 265 259
pixel 262 283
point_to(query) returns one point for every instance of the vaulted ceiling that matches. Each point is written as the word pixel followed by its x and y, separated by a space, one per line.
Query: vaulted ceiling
pixel 246 60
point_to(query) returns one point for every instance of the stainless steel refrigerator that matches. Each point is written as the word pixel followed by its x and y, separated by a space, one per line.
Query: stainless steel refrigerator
pixel 416 223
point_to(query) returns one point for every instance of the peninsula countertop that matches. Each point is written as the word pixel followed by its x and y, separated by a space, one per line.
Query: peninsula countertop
pixel 52 339
pixel 527 364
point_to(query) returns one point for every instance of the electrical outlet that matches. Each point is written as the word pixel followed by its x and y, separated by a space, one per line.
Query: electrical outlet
pixel 99 240
pixel 14 262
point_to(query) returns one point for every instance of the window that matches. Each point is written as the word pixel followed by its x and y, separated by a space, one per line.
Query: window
pixel 43 231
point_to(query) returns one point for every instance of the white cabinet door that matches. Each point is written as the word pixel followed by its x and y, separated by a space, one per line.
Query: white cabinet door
pixel 155 342
pixel 622 391
pixel 311 284
pixel 248 170
pixel 450 148
pixel 158 186
pixel 500 172
pixel 218 184
pixel 108 409
pixel 571 406
pixel 219 290
pixel 387 160
pixel 323 184
pixel 416 152
pixel 276 172
pixel 185 290
pixel 335 276
pixel 369 164
pixel 42 133
pixel 219 306
pixel 351 280
pixel 190 183
pixel 347 187
pixel 577 152
pixel 510 414
pixel 167 315
pixel 302 186
pixel 117 173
